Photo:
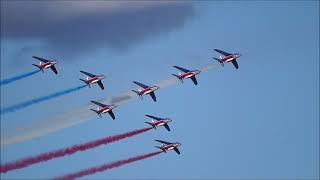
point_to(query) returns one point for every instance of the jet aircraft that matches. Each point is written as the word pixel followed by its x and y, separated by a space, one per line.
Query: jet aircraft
pixel 187 74
pixel 165 146
pixel 103 108
pixel 228 57
pixel 44 64
pixel 146 90
pixel 157 122
pixel 91 79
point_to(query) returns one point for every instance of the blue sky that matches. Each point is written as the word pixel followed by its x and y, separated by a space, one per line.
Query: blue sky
pixel 260 121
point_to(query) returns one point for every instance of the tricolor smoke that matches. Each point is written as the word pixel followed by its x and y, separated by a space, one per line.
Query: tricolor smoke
pixel 67 151
pixel 25 104
pixel 106 167
pixel 19 77
pixel 74 117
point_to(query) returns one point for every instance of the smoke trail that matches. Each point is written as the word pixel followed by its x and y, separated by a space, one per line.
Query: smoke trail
pixel 74 117
pixel 106 167
pixel 25 104
pixel 16 78
pixel 67 151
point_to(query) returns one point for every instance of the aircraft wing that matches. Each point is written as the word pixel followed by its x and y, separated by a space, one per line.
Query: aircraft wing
pixel 153 96
pixel 164 142
pixel 111 114
pixel 54 69
pixel 222 52
pixel 40 59
pixel 182 69
pixel 193 78
pixel 167 127
pixel 100 84
pixel 234 62
pixel 88 74
pixel 153 117
pixel 99 104
pixel 140 84
pixel 176 150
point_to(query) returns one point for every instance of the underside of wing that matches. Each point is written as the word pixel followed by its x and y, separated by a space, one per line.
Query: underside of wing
pixel 235 63
pixel 99 104
pixel 177 150
pixel 153 96
pixel 40 59
pixel 164 142
pixel 111 114
pixel 167 127
pixel 100 84
pixel 88 74
pixel 181 69
pixel 194 80
pixel 153 117
pixel 140 84
pixel 54 69
pixel 222 52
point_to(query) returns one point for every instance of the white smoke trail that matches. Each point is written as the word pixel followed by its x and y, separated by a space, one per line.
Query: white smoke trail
pixel 74 117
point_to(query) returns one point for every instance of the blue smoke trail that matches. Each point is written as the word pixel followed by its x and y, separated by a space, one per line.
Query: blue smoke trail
pixel 25 104
pixel 16 78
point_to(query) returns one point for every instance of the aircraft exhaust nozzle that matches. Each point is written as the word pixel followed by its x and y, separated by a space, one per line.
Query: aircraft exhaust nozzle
pixel 153 126
pixel 88 84
pixel 161 149
pixel 219 60
pixel 138 93
pixel 96 112
pixel 38 67
pixel 179 77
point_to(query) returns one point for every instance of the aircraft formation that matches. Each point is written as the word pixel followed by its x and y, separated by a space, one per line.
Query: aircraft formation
pixel 143 90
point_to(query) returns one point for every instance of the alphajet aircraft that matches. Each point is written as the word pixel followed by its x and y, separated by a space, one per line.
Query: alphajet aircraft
pixel 187 74
pixel 165 146
pixel 103 108
pixel 146 90
pixel 228 57
pixel 91 79
pixel 156 122
pixel 44 64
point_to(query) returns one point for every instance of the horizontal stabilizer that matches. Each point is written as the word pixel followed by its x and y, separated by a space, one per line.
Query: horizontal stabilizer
pixel 96 112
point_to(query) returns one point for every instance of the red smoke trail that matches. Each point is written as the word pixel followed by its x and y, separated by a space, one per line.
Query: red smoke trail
pixel 67 151
pixel 106 167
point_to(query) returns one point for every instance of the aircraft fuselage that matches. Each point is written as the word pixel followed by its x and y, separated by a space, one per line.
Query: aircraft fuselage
pixel 161 122
pixel 47 64
pixel 106 109
pixel 148 90
pixel 170 146
pixel 230 58
pixel 189 74
pixel 95 79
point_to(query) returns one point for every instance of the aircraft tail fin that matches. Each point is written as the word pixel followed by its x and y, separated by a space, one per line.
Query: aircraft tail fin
pixel 151 124
pixel 85 82
pixel 179 77
pixel 38 67
pixel 164 150
pixel 219 60
pixel 137 92
pixel 96 112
